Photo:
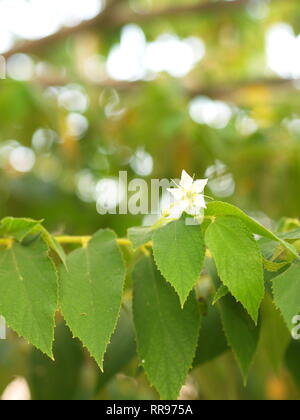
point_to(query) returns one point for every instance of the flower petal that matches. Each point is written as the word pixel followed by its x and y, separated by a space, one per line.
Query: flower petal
pixel 194 210
pixel 184 204
pixel 199 201
pixel 186 181
pixel 199 185
pixel 175 212
pixel 195 220
pixel 177 193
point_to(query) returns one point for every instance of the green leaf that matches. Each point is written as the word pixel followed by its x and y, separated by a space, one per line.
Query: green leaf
pixel 241 333
pixel 292 361
pixel 167 335
pixel 268 247
pixel 179 252
pixel 274 267
pixel 52 243
pixel 286 289
pixel 120 351
pixel 59 381
pixel 139 236
pixel 219 208
pixel 18 228
pixel 292 235
pixel 275 336
pixel 28 293
pixel 212 341
pixel 91 292
pixel 238 260
pixel 220 293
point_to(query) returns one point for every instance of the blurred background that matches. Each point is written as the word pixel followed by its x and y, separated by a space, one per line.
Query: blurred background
pixel 93 87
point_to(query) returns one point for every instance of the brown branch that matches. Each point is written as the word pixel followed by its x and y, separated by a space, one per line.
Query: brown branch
pixel 28 47
pixel 227 90
pixel 45 82
pixel 113 17
pixel 216 91
pixel 216 7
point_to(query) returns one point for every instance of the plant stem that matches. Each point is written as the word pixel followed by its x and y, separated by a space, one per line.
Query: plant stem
pixel 8 242
pixel 68 240
pixel 64 240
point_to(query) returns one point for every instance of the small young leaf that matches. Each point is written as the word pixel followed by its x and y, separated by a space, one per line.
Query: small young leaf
pixel 241 333
pixel 239 261
pixel 268 247
pixel 292 235
pixel 28 293
pixel 274 267
pixel 91 292
pixel 139 236
pixel 220 293
pixel 179 252
pixel 286 289
pixel 18 228
pixel 219 208
pixel 167 335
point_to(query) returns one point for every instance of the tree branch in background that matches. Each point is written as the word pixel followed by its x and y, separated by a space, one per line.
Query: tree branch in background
pixel 178 10
pixel 226 90
pixel 113 17
pixel 217 90
pixel 33 46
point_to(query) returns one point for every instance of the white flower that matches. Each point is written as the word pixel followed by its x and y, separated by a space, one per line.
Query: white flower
pixel 188 197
